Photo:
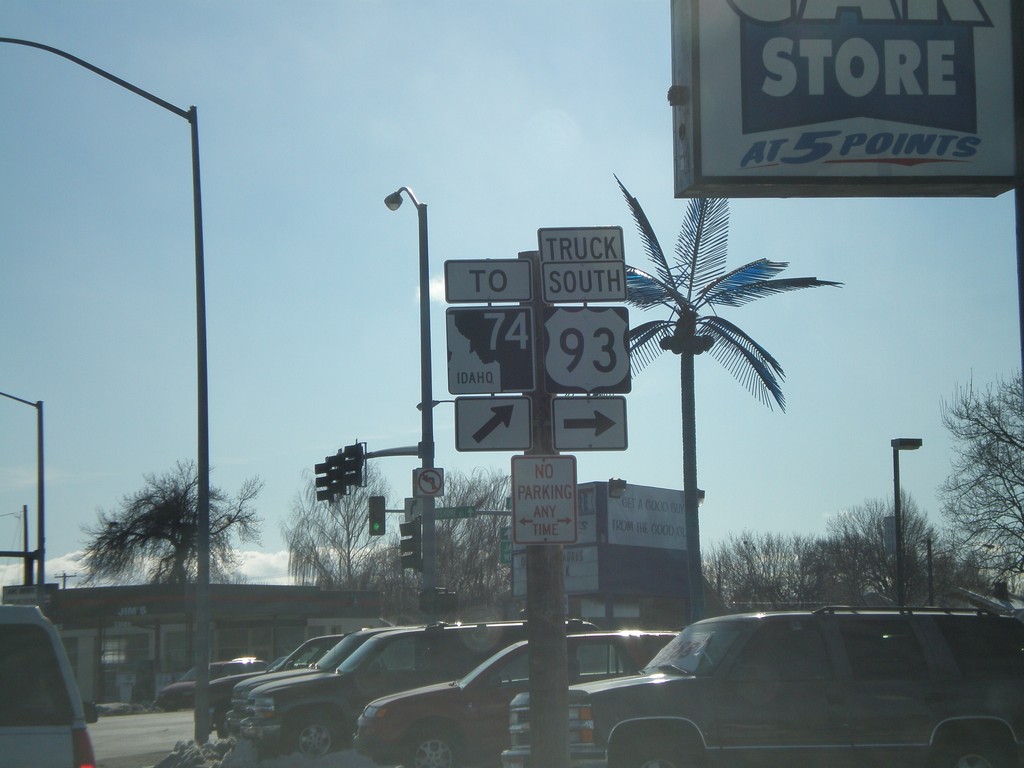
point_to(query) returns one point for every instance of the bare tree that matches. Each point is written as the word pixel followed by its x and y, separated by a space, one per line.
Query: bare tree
pixel 468 550
pixel 329 544
pixel 761 571
pixel 983 498
pixel 152 536
pixel 850 565
pixel 467 554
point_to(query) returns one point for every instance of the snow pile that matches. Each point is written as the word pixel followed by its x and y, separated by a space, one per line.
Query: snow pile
pixel 226 753
pixel 122 708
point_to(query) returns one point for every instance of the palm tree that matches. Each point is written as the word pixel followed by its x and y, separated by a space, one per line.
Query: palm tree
pixel 696 281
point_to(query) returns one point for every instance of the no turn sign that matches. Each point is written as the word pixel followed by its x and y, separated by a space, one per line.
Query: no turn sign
pixel 428 482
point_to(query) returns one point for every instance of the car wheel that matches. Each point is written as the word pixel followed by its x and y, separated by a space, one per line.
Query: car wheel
pixel 314 738
pixel 658 762
pixel 659 754
pixel 431 748
pixel 972 755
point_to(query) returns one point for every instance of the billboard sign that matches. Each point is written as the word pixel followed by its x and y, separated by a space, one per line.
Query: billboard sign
pixel 825 98
pixel 630 545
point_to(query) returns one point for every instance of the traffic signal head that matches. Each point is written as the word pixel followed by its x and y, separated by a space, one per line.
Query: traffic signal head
pixel 328 478
pixel 353 463
pixel 338 473
pixel 411 544
pixel 377 516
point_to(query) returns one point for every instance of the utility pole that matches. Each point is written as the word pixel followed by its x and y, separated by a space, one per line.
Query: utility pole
pixel 545 586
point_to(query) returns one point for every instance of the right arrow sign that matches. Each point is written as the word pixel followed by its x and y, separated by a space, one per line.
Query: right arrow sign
pixel 589 423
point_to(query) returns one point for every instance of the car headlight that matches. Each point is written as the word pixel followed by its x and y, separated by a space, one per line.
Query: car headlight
pixel 372 711
pixel 263 706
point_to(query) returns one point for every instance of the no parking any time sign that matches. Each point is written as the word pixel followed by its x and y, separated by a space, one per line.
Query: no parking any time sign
pixel 544 499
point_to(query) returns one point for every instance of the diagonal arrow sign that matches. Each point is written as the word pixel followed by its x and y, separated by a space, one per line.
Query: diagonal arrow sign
pixel 502 417
pixel 600 423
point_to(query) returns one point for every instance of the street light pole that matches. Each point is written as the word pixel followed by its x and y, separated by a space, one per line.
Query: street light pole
pixel 900 444
pixel 426 406
pixel 40 503
pixel 202 644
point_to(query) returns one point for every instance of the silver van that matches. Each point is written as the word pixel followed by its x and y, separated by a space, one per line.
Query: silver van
pixel 42 717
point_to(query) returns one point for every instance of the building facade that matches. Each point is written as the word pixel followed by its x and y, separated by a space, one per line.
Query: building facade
pixel 127 642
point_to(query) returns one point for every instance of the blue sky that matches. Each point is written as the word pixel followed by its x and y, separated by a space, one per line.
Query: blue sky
pixel 504 118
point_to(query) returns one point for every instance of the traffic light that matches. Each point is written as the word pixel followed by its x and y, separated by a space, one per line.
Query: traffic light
pixel 377 516
pixel 328 478
pixel 338 473
pixel 353 463
pixel 411 544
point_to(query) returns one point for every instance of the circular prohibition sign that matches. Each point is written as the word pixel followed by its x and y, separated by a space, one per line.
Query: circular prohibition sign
pixel 429 482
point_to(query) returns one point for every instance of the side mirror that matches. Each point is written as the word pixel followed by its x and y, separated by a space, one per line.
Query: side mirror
pixel 91 715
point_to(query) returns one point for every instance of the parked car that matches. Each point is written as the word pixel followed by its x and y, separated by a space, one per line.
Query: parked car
pixel 220 689
pixel 42 717
pixel 837 687
pixel 316 714
pixel 181 694
pixel 327 663
pixel 466 721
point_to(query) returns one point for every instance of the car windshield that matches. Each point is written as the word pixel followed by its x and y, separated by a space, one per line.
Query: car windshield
pixel 356 659
pixel 697 650
pixel 341 652
pixel 490 663
pixel 276 664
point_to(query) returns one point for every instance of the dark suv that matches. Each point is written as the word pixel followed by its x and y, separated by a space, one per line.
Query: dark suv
pixel 316 714
pixel 837 687
pixel 300 658
pixel 328 662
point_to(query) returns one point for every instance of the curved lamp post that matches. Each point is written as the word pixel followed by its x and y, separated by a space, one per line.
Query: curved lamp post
pixel 426 406
pixel 900 444
pixel 202 643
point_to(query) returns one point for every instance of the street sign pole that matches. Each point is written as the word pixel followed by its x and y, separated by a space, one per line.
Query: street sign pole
pixel 545 588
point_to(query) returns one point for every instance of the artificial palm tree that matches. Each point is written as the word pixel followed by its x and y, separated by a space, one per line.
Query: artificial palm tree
pixel 698 281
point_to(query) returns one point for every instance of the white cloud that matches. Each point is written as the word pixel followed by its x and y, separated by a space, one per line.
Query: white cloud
pixel 256 567
pixel 265 567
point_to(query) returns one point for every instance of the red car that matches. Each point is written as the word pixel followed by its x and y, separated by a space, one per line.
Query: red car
pixel 466 721
pixel 182 694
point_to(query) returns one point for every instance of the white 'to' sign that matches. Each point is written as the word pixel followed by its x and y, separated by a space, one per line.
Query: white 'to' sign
pixel 484 280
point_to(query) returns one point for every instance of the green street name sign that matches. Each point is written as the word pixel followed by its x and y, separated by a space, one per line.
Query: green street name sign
pixel 454 513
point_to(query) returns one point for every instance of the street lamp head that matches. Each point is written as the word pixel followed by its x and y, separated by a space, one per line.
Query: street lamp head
pixel 906 443
pixel 394 201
